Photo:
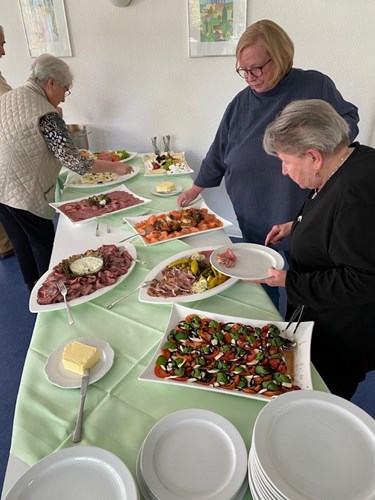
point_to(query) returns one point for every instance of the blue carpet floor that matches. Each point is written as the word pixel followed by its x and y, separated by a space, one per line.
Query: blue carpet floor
pixel 17 324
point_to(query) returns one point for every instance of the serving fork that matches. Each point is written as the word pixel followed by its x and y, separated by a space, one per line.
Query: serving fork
pixel 62 289
pixel 141 285
pixel 97 232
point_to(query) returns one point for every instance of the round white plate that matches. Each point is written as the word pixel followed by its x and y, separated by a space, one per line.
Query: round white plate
pixel 144 297
pixel 312 444
pixel 35 307
pixel 81 472
pixel 72 179
pixel 252 261
pixel 66 379
pixel 173 193
pixel 194 454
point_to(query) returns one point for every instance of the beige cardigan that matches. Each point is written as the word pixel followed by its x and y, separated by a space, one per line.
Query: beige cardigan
pixel 28 169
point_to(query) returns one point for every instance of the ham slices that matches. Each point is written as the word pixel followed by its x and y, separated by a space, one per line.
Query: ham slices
pixel 227 258
pixel 89 208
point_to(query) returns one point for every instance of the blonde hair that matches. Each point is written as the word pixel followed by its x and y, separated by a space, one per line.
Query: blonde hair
pixel 275 40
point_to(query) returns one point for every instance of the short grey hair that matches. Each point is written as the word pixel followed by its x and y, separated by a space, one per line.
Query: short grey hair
pixel 306 124
pixel 47 66
pixel 1 30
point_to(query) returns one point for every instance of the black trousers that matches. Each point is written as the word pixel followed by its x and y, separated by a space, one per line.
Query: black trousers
pixel 32 239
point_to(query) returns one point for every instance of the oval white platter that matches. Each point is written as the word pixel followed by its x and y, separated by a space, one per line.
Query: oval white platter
pixel 72 180
pixel 59 376
pixel 252 261
pixel 157 272
pixel 36 308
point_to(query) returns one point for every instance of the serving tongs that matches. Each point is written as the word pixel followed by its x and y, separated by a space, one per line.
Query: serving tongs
pixel 166 142
pixel 154 141
pixel 291 345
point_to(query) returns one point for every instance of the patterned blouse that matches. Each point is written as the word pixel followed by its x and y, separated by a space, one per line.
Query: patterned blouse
pixel 58 140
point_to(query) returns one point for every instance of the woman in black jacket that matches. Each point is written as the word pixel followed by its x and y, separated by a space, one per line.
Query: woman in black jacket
pixel 332 258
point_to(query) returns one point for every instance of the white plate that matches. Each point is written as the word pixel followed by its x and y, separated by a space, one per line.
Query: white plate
pixel 57 205
pixel 301 367
pixel 194 454
pixel 72 179
pixel 57 375
pixel 201 204
pixel 157 273
pixel 183 170
pixel 172 193
pixel 252 261
pixel 316 445
pixel 81 472
pixel 35 307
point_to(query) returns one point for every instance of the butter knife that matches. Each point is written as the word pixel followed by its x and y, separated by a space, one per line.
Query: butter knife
pixel 78 430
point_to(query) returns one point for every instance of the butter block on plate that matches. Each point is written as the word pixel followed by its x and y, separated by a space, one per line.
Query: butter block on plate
pixel 166 187
pixel 78 357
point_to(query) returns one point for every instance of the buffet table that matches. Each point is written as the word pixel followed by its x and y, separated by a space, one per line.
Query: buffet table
pixel 120 410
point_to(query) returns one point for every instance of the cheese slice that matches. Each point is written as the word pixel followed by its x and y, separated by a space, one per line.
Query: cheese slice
pixel 78 357
pixel 165 187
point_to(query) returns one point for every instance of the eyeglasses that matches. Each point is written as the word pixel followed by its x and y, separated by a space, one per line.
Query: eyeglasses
pixel 256 71
pixel 67 92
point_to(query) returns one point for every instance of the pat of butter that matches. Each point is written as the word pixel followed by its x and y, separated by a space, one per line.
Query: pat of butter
pixel 78 357
pixel 166 187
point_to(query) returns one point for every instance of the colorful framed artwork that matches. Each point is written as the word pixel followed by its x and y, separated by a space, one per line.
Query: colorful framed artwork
pixel 45 27
pixel 215 26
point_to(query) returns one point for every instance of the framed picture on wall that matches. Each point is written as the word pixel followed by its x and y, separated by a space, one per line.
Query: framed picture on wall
pixel 215 26
pixel 45 27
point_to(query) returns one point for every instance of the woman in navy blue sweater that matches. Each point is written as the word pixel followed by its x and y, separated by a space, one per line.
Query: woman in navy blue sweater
pixel 260 194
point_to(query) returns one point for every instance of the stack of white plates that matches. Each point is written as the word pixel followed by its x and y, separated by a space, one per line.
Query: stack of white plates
pixel 193 454
pixel 312 445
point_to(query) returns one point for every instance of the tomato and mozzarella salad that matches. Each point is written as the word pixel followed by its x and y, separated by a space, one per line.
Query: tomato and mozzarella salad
pixel 232 356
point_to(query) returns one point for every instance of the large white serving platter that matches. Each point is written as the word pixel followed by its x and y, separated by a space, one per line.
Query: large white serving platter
pixel 157 273
pixel 66 379
pixel 79 247
pixel 196 454
pixel 253 261
pixel 183 169
pixel 57 205
pixel 312 444
pixel 81 472
pixel 73 180
pixel 301 366
pixel 132 221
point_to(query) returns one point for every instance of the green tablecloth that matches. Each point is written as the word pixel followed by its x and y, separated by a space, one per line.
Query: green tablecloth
pixel 119 409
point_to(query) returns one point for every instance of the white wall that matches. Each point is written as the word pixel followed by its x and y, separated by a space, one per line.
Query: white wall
pixel 134 79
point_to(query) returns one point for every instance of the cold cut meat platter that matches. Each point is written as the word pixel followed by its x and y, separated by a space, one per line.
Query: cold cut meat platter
pixel 100 204
pixel 86 275
pixel 187 276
